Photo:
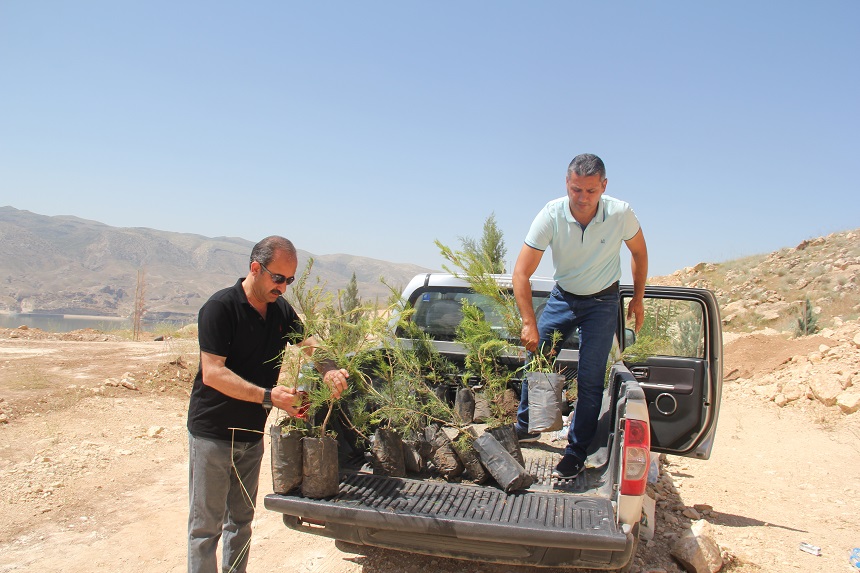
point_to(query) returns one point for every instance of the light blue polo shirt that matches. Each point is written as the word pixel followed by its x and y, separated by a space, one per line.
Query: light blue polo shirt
pixel 587 260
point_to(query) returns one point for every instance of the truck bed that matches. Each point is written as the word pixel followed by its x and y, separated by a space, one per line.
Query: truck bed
pixel 555 523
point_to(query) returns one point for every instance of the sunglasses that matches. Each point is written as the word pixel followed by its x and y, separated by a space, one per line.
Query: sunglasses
pixel 278 279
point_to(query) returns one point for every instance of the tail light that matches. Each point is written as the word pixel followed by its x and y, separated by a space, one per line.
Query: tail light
pixel 636 457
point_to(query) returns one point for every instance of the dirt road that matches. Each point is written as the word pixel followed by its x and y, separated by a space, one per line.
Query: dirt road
pixel 93 466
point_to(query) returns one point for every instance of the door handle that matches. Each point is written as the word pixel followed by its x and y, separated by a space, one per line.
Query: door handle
pixel 640 372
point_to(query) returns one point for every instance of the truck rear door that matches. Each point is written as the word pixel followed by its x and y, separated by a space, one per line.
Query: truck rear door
pixel 677 358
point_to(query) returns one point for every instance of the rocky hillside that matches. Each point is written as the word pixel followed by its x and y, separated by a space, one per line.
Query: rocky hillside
pixel 761 299
pixel 770 290
pixel 67 265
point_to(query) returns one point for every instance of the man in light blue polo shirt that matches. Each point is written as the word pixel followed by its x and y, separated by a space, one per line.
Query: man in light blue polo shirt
pixel 585 230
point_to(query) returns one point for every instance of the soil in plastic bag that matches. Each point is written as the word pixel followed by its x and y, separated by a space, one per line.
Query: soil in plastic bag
pixel 319 467
pixel 387 450
pixel 412 459
pixel 507 436
pixel 445 459
pixel 545 394
pixel 482 409
pixel 350 446
pixel 441 392
pixel 416 452
pixel 464 405
pixel 471 460
pixel 508 472
pixel 286 459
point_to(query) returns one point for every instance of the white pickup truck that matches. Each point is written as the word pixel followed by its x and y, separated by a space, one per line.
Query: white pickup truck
pixel 659 402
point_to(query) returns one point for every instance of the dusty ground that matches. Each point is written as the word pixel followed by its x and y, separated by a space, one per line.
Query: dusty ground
pixel 93 465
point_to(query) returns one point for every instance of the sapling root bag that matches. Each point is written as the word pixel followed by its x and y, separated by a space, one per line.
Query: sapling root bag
pixel 387 450
pixel 417 451
pixel 286 459
pixel 464 405
pixel 445 459
pixel 508 472
pixel 507 436
pixel 545 394
pixel 319 467
pixel 441 392
pixel 482 409
pixel 412 459
pixel 467 453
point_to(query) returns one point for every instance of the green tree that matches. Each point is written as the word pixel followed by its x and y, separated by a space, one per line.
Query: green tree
pixel 807 321
pixel 350 301
pixel 489 253
pixel 475 265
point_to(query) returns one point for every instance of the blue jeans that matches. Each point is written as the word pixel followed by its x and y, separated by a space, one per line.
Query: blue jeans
pixel 222 489
pixel 597 318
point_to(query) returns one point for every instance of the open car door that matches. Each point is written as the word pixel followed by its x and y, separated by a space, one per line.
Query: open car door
pixel 677 357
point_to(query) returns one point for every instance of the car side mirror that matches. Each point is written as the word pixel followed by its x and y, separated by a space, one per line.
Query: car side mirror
pixel 629 337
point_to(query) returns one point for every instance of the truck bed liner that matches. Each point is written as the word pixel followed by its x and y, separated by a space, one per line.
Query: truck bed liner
pixel 483 514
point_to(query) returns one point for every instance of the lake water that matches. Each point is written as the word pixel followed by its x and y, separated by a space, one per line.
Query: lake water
pixel 69 322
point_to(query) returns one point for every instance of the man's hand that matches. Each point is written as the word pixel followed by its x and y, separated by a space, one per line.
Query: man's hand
pixel 336 380
pixel 287 399
pixel 636 308
pixel 529 337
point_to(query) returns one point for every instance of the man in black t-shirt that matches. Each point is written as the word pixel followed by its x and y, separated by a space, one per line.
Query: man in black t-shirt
pixel 242 330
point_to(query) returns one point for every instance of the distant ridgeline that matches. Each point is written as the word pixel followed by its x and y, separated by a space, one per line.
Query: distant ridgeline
pixel 64 265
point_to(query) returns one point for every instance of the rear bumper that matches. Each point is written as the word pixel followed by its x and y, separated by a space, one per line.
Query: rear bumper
pixel 465 522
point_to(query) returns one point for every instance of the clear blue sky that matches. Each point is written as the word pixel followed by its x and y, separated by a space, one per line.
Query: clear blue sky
pixel 371 128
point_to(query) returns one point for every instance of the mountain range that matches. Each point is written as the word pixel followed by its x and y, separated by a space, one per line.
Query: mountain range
pixel 69 265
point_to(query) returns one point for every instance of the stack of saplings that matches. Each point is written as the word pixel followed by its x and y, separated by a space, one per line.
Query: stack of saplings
pixel 344 338
pixel 409 401
pixel 398 409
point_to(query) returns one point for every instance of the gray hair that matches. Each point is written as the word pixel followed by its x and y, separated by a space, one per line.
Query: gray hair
pixel 587 164
pixel 264 251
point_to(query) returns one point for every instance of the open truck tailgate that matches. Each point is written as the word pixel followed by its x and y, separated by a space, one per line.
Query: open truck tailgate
pixel 464 521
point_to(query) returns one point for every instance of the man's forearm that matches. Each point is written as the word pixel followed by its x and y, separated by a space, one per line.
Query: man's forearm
pixel 639 268
pixel 523 296
pixel 231 384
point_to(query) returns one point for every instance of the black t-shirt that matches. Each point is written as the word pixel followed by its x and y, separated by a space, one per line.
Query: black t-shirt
pixel 229 326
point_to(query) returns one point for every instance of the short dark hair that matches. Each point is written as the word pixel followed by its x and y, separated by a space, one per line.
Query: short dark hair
pixel 587 164
pixel 264 251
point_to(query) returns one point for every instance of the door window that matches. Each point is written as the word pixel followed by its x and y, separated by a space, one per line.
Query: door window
pixel 671 328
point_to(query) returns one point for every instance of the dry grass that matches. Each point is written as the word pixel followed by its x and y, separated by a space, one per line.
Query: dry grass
pixel 825 269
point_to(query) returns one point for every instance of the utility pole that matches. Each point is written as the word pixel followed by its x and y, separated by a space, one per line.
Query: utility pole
pixel 139 303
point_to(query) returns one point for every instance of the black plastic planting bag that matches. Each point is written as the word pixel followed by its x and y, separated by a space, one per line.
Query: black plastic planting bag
pixel 286 459
pixel 482 409
pixel 319 467
pixel 465 448
pixel 445 459
pixel 464 405
pixel 507 436
pixel 412 459
pixel 545 394
pixel 387 450
pixel 507 471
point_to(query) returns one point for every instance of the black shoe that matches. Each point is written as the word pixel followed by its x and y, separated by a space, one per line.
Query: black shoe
pixel 525 437
pixel 569 467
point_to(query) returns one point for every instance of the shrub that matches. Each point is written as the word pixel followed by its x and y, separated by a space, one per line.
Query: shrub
pixel 807 322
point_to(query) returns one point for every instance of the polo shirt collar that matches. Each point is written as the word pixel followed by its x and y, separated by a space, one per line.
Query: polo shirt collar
pixel 599 217
pixel 239 292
